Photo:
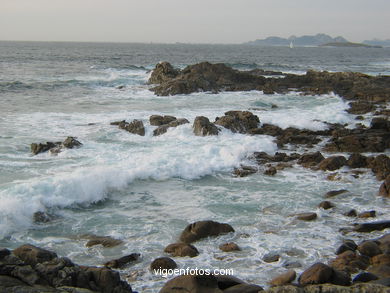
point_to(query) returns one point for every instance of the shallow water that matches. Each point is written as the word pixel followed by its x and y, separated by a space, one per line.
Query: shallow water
pixel 145 190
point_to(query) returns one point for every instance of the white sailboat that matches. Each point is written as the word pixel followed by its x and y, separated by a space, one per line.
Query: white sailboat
pixel 291 45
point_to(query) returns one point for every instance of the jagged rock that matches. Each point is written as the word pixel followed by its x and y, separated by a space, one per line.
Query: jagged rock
pixel 270 171
pixel 37 148
pixel 333 193
pixel 163 71
pixel 384 189
pixel 332 163
pixel 163 263
pixel 310 159
pixel 135 127
pixel 244 171
pixel 380 166
pixel 158 120
pixel 202 127
pixel 357 160
pixel 238 121
pixel 123 261
pixel 360 107
pixel 284 279
pixel 181 249
pixel 33 255
pixel 164 128
pixel 228 247
pixel 203 229
pixel 41 217
pixel 71 142
pixel 192 284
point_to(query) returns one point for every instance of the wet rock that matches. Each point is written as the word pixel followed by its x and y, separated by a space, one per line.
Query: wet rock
pixel 203 229
pixel 71 142
pixel 123 261
pixel 357 160
pixel 158 120
pixel 332 163
pixel 41 217
pixel 367 214
pixel 292 265
pixel 267 129
pixel 318 273
pixel 238 121
pixel 384 189
pixel 37 148
pixel 381 271
pixel 351 213
pixel 163 71
pixel 4 252
pixel 105 241
pixel 164 128
pixel 33 255
pixel 284 279
pixel 334 193
pixel 228 247
pixel 135 127
pixel 117 123
pixel 203 127
pixel 380 259
pixel 271 257
pixel 270 171
pixel 225 282
pixel 181 249
pixel 106 280
pixel 347 245
pixel 306 216
pixel 372 226
pixel 329 288
pixel 244 288
pixel 364 277
pixel 369 248
pixel 326 205
pixel 244 171
pixel 350 262
pixel 380 123
pixel 310 159
pixel 340 278
pixel 380 166
pixel 360 107
pixel 163 263
pixel 192 284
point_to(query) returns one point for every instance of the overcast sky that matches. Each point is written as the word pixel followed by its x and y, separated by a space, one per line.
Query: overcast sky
pixel 196 21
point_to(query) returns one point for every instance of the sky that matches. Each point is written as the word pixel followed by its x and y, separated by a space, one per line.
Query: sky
pixel 196 21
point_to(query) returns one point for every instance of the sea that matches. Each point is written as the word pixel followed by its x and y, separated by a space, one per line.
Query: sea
pixel 145 190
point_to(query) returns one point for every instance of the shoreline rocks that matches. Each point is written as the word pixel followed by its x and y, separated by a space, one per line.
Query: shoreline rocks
pixel 55 147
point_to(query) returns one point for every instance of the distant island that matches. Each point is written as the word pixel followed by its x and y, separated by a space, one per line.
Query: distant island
pixel 315 40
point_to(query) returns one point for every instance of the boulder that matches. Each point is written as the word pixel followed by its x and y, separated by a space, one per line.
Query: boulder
pixel 367 214
pixel 310 159
pixel 350 262
pixel 71 142
pixel 238 121
pixel 384 189
pixel 135 127
pixel 123 261
pixel 192 284
pixel 33 255
pixel 271 257
pixel 105 241
pixel 226 281
pixel 326 205
pixel 203 127
pixel 203 229
pixel 37 148
pixel 371 226
pixel 306 216
pixel 244 288
pixel 380 123
pixel 228 247
pixel 106 280
pixel 369 248
pixel 381 271
pixel 318 273
pixel 163 71
pixel 244 171
pixel 334 193
pixel 357 160
pixel 181 249
pixel 158 120
pixel 380 259
pixel 284 279
pixel 163 263
pixel 332 163
pixel 271 171
pixel 164 128
pixel 380 166
pixel 347 245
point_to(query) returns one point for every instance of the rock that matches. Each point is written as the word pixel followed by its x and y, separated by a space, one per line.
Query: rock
pixel 329 288
pixel 333 193
pixel 380 123
pixel 33 255
pixel 271 257
pixel 202 127
pixel 244 171
pixel 181 249
pixel 37 148
pixel 267 129
pixel 135 127
pixel 225 281
pixel 384 189
pixel 270 171
pixel 157 120
pixel 384 282
pixel 284 279
pixel 380 166
pixel 117 123
pixel 369 248
pixel 381 271
pixel 192 284
pixel 164 128
pixel 357 160
pixel 163 263
pixel 351 213
pixel 123 261
pixel 350 262
pixel 380 259
pixel 326 205
pixel 340 278
pixel 244 288
pixel 41 217
pixel 347 245
pixel 310 159
pixel 384 243
pixel 4 252
pixel 228 247
pixel 318 273
pixel 238 121
pixel 306 216
pixel 106 280
pixel 203 229
pixel 372 226
pixel 163 71
pixel 71 142
pixel 332 163
pixel 106 241
pixel 367 214
pixel 360 107
pixel 364 277
pixel 292 265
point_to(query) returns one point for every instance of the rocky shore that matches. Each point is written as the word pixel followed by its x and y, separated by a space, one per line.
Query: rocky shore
pixel 355 267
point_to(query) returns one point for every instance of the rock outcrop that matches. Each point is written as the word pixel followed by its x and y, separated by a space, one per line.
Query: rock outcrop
pixel 203 229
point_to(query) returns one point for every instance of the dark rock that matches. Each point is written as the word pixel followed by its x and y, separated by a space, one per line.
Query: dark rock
pixel 244 288
pixel 351 213
pixel 267 129
pixel 367 214
pixel 380 259
pixel 117 123
pixel 306 216
pixel 192 284
pixel 71 142
pixel 33 255
pixel 284 279
pixel 238 121
pixel 381 271
pixel 384 189
pixel 4 252
pixel 360 107
pixel 181 249
pixel 135 127
pixel 270 171
pixel 106 241
pixel 350 262
pixel 380 123
pixel 123 261
pixel 228 247
pixel 364 277
pixel 347 245
pixel 163 71
pixel 310 159
pixel 244 171
pixel 383 281
pixel 271 257
pixel 163 263
pixel 326 205
pixel 157 120
pixel 369 248
pixel 164 128
pixel 318 273
pixel 357 160
pixel 41 217
pixel 203 229
pixel 332 163
pixel 292 265
pixel 372 226
pixel 333 193
pixel 202 127
pixel 225 281
pixel 340 278
pixel 380 166
pixel 37 148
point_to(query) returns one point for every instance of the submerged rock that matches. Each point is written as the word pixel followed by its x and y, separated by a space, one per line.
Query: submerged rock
pixel 135 127
pixel 181 249
pixel 69 143
pixel 123 261
pixel 228 247
pixel 203 229
pixel 105 241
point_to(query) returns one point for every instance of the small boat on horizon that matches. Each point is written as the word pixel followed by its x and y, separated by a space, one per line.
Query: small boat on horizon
pixel 291 45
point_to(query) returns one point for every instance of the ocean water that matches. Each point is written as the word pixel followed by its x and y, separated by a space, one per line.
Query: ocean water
pixel 145 190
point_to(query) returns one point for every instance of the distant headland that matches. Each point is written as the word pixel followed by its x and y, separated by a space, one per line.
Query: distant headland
pixel 316 40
